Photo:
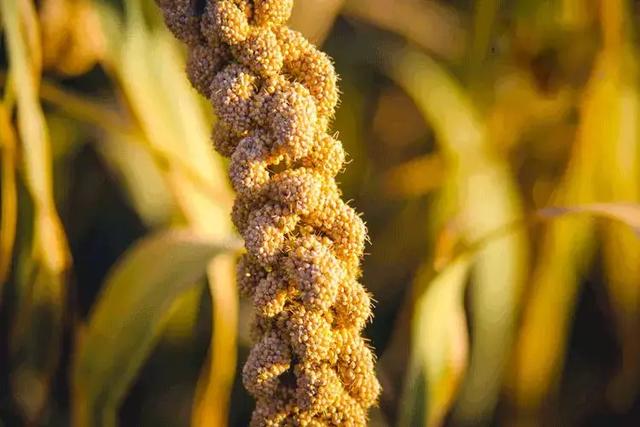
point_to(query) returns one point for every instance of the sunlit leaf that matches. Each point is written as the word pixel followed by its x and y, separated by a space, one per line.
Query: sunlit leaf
pixel 37 328
pixel 483 196
pixel 565 249
pixel 439 340
pixel 620 178
pixel 129 314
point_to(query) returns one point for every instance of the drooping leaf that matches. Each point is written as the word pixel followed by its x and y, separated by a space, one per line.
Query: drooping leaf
pixel 128 316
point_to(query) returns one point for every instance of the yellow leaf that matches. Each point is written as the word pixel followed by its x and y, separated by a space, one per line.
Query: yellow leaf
pixel 483 195
pixel 41 303
pixel 440 338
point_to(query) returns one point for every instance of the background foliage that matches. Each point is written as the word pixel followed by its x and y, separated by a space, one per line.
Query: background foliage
pixel 495 154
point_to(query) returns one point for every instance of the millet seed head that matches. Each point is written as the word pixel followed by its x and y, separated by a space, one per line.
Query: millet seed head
pixel 275 95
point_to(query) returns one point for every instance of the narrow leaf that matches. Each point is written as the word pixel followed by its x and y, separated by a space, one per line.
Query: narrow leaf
pixel 440 348
pixel 39 305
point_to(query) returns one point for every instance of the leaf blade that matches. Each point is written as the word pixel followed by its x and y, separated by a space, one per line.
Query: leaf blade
pixel 137 294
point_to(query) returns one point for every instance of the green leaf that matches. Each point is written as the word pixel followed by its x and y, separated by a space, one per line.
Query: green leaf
pixel 129 314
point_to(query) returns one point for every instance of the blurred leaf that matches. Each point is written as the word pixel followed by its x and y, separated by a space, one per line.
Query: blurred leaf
pixel 441 307
pixel 182 317
pixel 565 250
pixel 212 401
pixel 8 196
pixel 51 244
pixel 607 141
pixel 31 31
pixel 127 319
pixel 439 342
pixel 484 196
pixel 131 162
pixel 36 332
pixel 620 180
pixel 171 121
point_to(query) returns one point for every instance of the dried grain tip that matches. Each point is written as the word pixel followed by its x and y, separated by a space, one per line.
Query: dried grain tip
pixel 327 156
pixel 300 190
pixel 276 411
pixel 355 367
pixel 314 69
pixel 266 232
pixel 346 413
pixel 225 141
pixel 352 307
pixel 310 334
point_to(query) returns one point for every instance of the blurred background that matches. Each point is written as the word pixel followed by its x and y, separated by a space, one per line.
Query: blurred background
pixel 494 152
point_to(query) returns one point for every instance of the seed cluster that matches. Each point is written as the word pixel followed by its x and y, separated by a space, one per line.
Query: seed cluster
pixel 275 95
